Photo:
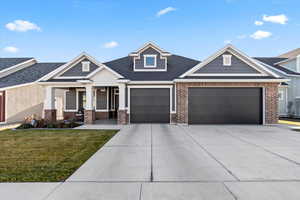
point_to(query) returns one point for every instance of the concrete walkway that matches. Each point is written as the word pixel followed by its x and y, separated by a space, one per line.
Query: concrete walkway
pixel 166 162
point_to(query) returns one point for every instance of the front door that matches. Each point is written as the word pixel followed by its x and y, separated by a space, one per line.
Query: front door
pixel 81 100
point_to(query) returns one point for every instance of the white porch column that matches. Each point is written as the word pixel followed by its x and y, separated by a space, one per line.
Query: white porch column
pixel 49 98
pixel 49 104
pixel 89 114
pixel 122 96
pixel 89 97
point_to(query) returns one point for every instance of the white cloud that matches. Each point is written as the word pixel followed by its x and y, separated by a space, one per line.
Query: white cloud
pixel 258 23
pixel 22 26
pixel 277 19
pixel 228 41
pixel 10 49
pixel 258 35
pixel 165 11
pixel 111 44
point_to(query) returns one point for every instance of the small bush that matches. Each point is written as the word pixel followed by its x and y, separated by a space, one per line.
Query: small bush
pixel 25 126
pixel 51 125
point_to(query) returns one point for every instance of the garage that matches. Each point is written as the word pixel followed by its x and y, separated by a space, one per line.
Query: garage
pixel 150 105
pixel 225 105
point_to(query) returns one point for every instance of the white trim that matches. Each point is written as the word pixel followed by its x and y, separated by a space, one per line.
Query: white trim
pixel 151 82
pixel 225 57
pixel 150 56
pixel 146 46
pixel 107 100
pixel 149 86
pixel 16 86
pixel 285 61
pixel 279 71
pixel 65 101
pixel 231 80
pixel 210 74
pixel 76 60
pixel 86 66
pixel 230 48
pixel 22 65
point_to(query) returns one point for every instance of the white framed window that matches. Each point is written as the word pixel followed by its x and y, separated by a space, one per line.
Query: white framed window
pixel 85 66
pixel 149 61
pixel 226 60
pixel 280 95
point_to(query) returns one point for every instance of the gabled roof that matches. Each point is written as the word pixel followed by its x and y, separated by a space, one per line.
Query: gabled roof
pixel 239 54
pixel 150 45
pixel 176 66
pixel 290 54
pixel 56 73
pixel 10 62
pixel 272 62
pixel 28 75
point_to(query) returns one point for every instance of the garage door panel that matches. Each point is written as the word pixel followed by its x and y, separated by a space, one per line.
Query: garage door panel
pixel 150 105
pixel 225 106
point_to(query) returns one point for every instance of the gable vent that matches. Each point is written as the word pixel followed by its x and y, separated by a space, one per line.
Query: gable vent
pixel 298 63
pixel 226 60
pixel 85 66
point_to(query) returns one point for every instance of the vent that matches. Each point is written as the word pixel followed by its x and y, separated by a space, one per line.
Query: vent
pixel 85 66
pixel 298 63
pixel 226 60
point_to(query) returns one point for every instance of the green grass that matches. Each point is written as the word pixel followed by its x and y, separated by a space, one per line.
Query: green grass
pixel 47 155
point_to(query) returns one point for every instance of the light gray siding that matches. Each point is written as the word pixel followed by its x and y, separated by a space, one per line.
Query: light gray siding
pixel 76 70
pixel 101 99
pixel 237 66
pixel 160 63
pixel 71 100
pixel 291 65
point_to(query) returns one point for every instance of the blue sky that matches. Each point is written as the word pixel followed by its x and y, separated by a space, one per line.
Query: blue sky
pixel 59 30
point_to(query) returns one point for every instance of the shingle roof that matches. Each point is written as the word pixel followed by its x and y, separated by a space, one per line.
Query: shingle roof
pixel 177 65
pixel 9 62
pixel 230 77
pixel 28 74
pixel 272 61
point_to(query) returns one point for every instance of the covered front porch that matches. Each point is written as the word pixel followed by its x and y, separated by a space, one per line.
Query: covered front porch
pixel 87 103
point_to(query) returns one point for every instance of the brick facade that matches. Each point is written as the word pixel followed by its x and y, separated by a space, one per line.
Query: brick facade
pixel 101 115
pixel 89 116
pixel 122 117
pixel 271 98
pixel 50 115
pixel 173 117
pixel 70 115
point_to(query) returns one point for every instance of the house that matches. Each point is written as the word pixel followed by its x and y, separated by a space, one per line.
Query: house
pixel 20 95
pixel 151 85
pixel 288 66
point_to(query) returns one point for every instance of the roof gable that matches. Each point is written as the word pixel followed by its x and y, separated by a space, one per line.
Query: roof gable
pixel 10 62
pixel 244 69
pixel 72 69
pixel 237 66
pixel 149 45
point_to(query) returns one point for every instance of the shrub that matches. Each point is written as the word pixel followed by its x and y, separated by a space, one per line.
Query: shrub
pixel 25 126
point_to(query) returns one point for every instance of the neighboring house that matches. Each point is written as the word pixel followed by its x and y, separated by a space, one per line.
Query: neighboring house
pixel 152 85
pixel 287 65
pixel 20 96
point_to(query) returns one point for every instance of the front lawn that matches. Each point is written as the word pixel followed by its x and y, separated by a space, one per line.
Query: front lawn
pixel 47 155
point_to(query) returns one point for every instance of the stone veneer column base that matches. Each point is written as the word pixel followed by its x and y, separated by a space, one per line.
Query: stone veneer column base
pixel 50 115
pixel 122 117
pixel 89 116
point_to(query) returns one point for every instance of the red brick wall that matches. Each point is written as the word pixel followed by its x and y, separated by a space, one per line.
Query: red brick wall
pixel 122 117
pixel 69 115
pixel 271 98
pixel 101 115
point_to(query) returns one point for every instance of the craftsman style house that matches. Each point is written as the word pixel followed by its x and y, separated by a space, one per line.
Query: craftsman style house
pixel 152 85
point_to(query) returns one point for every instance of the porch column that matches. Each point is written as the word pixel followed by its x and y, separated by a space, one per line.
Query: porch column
pixel 122 112
pixel 49 104
pixel 89 113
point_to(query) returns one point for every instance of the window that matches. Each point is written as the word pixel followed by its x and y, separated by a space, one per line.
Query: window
pixel 280 95
pixel 85 66
pixel 149 60
pixel 226 60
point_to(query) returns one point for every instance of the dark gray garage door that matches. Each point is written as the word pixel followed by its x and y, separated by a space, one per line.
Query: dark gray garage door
pixel 150 105
pixel 225 106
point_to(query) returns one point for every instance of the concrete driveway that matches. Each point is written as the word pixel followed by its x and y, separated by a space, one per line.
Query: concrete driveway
pixel 165 162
